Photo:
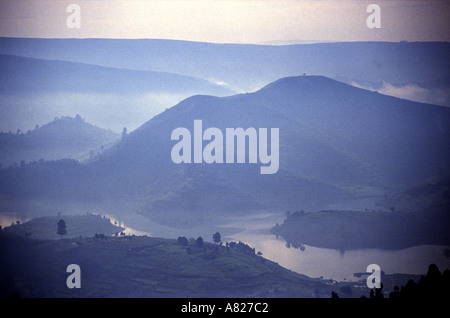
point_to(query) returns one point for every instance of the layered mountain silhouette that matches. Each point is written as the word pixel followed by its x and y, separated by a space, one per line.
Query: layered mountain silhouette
pixel 36 90
pixel 333 138
pixel 246 67
pixel 64 137
pixel 30 75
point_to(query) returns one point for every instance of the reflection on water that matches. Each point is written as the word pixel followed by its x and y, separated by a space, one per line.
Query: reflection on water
pixel 341 265
pixel 308 260
pixel 7 218
pixel 337 264
pixel 127 230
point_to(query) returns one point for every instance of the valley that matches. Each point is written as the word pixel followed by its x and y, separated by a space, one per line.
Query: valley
pixel 331 162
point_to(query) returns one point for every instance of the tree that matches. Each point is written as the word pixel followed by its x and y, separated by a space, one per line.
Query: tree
pixel 199 242
pixel 183 241
pixel 61 228
pixel 216 237
pixel 377 293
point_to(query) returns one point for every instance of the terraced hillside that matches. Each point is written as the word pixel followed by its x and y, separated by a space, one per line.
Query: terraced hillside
pixel 140 266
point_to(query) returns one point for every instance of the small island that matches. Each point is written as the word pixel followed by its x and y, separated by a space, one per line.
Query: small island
pixel 346 230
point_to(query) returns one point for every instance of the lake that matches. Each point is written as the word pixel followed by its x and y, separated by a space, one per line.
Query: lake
pixel 310 261
pixel 335 264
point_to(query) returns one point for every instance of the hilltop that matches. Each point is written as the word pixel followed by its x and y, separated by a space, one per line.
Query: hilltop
pixel 64 137
pixel 246 67
pixel 124 266
pixel 44 228
pixel 35 90
pixel 139 266
pixel 335 140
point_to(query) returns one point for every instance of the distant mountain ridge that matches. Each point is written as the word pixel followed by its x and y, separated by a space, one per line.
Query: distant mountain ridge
pixel 334 139
pixel 64 137
pixel 247 67
pixel 36 90
pixel 27 75
pixel 351 123
pixel 140 78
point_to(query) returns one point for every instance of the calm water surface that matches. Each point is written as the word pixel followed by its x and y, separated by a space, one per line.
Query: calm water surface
pixel 310 261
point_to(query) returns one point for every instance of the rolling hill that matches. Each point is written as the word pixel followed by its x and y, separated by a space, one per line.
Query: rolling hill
pixel 245 67
pixel 34 91
pixel 145 267
pixel 334 138
pixel 23 75
pixel 64 137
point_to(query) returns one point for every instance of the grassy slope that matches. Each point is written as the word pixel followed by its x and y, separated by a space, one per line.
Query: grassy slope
pixel 144 267
pixel 76 226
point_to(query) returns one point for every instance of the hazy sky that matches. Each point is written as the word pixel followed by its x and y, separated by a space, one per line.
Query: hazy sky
pixel 229 21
